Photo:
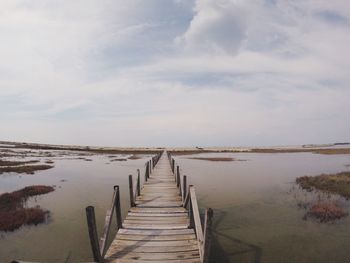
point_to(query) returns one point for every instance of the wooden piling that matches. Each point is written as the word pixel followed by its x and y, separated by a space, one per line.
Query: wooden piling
pixel 131 191
pixel 91 221
pixel 118 208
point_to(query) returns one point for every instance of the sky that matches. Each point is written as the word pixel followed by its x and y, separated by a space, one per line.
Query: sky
pixel 175 72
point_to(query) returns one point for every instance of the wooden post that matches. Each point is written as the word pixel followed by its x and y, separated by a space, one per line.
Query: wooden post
pixel 147 172
pixel 173 165
pixel 132 202
pixel 177 176
pixel 138 183
pixel 207 234
pixel 184 191
pixel 118 212
pixel 149 167
pixel 190 213
pixel 190 209
pixel 91 222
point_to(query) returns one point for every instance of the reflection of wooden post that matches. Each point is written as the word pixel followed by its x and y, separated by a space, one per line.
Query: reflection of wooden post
pixel 91 222
pixel 118 212
pixel 207 234
pixel 132 202
pixel 184 191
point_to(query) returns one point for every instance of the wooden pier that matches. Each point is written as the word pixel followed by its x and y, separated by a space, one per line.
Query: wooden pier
pixel 163 223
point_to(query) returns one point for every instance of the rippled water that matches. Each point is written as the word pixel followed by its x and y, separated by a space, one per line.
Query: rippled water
pixel 257 218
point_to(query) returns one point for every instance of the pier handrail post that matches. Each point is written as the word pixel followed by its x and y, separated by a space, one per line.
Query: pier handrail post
pixel 149 167
pixel 173 165
pixel 118 212
pixel 91 221
pixel 184 191
pixel 147 171
pixel 132 202
pixel 178 177
pixel 138 182
pixel 207 234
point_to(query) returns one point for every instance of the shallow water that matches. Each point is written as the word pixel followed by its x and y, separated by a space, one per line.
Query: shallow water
pixel 79 183
pixel 257 218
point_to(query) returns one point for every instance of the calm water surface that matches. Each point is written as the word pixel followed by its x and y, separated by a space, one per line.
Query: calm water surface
pixel 65 238
pixel 257 218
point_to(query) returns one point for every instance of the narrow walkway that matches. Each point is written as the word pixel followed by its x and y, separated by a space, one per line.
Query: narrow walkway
pixel 157 228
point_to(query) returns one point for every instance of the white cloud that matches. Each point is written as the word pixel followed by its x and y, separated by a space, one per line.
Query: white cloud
pixel 228 72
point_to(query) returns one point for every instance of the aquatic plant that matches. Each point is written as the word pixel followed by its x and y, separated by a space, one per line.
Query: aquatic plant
pixel 12 211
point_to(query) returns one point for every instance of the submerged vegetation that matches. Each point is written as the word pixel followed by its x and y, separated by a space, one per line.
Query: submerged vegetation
pixel 27 169
pixel 338 183
pixel 327 211
pixel 16 163
pixel 13 214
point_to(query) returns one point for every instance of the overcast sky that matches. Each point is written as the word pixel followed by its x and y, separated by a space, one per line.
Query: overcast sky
pixel 175 73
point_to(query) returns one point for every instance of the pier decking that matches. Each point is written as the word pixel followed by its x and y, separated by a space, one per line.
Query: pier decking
pixel 158 227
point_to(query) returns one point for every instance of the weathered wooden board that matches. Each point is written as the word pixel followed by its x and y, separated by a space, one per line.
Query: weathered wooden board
pixel 157 228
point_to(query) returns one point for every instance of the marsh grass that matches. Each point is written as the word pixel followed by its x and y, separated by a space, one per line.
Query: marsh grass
pixel 13 214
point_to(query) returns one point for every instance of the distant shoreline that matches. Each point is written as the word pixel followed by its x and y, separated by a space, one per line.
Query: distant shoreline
pixel 313 148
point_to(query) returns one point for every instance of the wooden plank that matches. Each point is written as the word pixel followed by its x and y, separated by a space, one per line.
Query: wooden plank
pixel 156 237
pixel 140 214
pixel 123 260
pixel 155 243
pixel 156 219
pixel 155 232
pixel 155 249
pixel 159 256
pixel 158 210
pixel 155 227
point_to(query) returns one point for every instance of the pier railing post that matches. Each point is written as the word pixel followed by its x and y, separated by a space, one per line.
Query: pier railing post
pixel 147 171
pixel 138 183
pixel 184 191
pixel 173 165
pixel 207 234
pixel 149 167
pixel 118 212
pixel 190 207
pixel 132 202
pixel 178 176
pixel 91 221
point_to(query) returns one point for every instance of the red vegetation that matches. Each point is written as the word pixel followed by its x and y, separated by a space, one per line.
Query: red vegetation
pixel 327 211
pixel 13 214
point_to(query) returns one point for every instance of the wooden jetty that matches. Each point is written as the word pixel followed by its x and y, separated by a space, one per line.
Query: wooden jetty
pixel 163 223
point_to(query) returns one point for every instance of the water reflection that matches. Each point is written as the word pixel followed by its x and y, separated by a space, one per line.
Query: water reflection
pixel 79 183
pixel 257 217
pixel 258 209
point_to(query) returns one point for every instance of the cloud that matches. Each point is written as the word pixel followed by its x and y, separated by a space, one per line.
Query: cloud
pixel 205 72
pixel 217 26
